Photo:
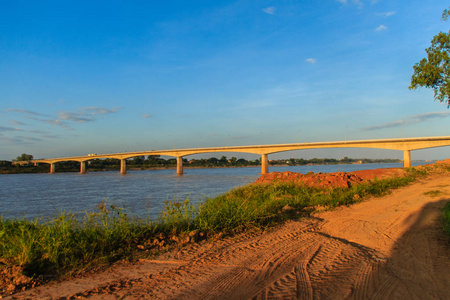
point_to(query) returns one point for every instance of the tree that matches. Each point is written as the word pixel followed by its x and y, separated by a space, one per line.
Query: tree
pixel 242 161
pixel 138 160
pixel 223 160
pixel 24 157
pixel 152 159
pixel 213 160
pixel 434 71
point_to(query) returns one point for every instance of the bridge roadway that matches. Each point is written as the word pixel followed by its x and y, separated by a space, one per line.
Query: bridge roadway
pixel 403 144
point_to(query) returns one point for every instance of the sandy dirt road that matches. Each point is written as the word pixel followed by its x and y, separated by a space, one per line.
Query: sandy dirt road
pixel 384 248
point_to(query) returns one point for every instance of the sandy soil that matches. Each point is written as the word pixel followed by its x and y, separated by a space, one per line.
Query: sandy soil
pixel 384 248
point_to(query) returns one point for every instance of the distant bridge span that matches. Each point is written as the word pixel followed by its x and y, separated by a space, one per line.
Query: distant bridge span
pixel 403 144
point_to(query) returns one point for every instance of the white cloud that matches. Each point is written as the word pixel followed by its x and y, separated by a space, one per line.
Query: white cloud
pixel 21 140
pixel 86 114
pixel 270 10
pixel 414 119
pixel 74 117
pixel 381 28
pixel 54 122
pixel 15 122
pixel 5 128
pixel 386 14
pixel 311 60
pixel 358 3
pixel 82 115
pixel 26 112
pixel 94 110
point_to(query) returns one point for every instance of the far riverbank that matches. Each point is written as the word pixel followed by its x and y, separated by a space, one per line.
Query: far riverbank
pixel 98 165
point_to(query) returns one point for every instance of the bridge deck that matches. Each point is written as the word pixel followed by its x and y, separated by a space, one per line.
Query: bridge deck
pixel 402 144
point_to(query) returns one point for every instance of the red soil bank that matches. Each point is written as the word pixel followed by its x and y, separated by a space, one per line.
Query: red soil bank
pixel 334 180
pixel 330 180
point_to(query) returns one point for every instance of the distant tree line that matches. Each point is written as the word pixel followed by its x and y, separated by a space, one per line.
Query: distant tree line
pixel 156 161
pixel 330 161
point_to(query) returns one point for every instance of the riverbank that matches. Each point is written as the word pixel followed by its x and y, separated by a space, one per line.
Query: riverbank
pixel 241 210
pixel 107 165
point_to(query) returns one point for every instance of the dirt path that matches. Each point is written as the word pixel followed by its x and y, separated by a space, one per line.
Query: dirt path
pixel 384 248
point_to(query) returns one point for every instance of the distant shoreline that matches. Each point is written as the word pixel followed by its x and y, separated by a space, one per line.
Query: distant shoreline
pixel 186 166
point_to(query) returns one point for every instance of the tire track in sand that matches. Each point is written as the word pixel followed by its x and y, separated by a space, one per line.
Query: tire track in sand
pixel 269 272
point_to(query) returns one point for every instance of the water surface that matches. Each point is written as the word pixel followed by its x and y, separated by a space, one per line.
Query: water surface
pixel 142 193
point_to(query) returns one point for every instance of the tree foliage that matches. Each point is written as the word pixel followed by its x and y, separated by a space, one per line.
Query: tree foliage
pixel 24 157
pixel 445 14
pixel 434 71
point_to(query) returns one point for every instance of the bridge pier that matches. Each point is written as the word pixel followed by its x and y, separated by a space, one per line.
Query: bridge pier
pixel 264 164
pixel 407 159
pixel 179 165
pixel 123 166
pixel 52 168
pixel 82 167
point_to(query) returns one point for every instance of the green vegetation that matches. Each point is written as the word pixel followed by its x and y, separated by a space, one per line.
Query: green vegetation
pixel 265 205
pixel 446 218
pixel 66 244
pixel 24 157
pixel 434 71
pixel 6 167
pixel 434 193
pixel 330 161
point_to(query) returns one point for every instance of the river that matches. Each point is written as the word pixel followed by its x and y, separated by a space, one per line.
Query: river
pixel 141 193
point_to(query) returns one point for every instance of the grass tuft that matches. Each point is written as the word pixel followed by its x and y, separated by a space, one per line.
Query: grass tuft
pixel 434 193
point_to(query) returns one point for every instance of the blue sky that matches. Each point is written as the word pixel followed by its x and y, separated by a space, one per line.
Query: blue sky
pixel 81 77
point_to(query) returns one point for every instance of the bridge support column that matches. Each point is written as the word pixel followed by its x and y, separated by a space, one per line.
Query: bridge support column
pixel 407 159
pixel 82 167
pixel 52 168
pixel 264 164
pixel 180 165
pixel 123 166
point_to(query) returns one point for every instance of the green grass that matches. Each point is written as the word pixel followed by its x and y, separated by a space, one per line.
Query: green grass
pixel 434 193
pixel 268 204
pixel 68 243
pixel 446 218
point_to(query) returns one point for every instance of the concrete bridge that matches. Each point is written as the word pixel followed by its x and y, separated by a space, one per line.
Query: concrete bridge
pixel 404 144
